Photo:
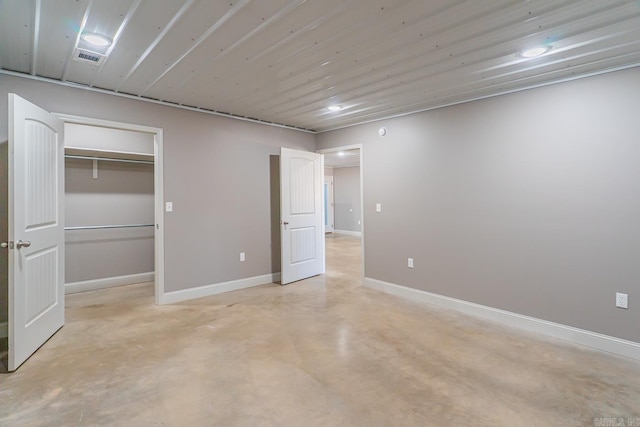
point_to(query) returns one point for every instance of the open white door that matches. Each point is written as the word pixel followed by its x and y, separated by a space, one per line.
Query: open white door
pixel 36 228
pixel 301 214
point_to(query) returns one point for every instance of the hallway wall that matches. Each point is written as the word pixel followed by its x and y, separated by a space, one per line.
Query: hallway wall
pixel 346 184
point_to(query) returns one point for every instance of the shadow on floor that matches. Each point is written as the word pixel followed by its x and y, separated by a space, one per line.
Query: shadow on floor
pixel 4 354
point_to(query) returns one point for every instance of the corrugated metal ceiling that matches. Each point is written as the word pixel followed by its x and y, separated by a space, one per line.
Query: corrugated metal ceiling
pixel 285 61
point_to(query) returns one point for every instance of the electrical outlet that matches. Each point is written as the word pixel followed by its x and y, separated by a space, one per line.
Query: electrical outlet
pixel 410 262
pixel 622 300
pixel 242 257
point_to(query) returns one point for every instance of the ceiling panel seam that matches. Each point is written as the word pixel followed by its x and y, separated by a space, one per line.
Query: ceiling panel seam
pixel 36 36
pixel 132 10
pixel 185 7
pixel 227 16
pixel 283 12
pixel 83 23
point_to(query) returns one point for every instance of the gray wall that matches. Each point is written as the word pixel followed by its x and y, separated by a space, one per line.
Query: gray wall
pixel 217 173
pixel 122 194
pixel 527 202
pixel 346 193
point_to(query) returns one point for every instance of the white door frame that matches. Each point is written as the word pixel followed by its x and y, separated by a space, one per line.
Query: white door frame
pixel 158 181
pixel 353 147
pixel 330 226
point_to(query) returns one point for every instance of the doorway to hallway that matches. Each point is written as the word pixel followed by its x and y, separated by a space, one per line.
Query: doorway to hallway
pixel 344 166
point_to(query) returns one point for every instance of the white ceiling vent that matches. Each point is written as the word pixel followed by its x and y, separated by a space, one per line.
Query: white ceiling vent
pixel 83 55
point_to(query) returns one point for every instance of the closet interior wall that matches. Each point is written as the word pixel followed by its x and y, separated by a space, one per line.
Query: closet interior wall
pixel 108 193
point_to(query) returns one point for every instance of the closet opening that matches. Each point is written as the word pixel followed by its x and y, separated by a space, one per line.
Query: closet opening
pixel 113 214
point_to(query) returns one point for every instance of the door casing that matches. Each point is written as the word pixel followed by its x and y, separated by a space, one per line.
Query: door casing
pixel 329 205
pixel 158 188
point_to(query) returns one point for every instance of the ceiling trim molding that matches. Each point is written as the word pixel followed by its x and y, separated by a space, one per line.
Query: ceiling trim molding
pixel 153 101
pixel 315 132
pixel 36 37
pixel 563 80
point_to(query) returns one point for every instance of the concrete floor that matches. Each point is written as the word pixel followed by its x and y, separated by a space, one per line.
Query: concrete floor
pixel 321 352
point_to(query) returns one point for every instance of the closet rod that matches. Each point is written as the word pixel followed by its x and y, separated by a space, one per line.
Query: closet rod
pixel 98 227
pixel 108 159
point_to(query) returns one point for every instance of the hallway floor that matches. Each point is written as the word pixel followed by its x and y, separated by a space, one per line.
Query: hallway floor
pixel 320 352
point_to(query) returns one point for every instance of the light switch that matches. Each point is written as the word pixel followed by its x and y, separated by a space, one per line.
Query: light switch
pixel 410 262
pixel 378 207
pixel 169 207
pixel 242 257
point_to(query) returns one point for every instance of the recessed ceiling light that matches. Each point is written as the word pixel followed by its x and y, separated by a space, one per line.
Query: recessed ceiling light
pixel 334 107
pixel 96 39
pixel 341 153
pixel 534 51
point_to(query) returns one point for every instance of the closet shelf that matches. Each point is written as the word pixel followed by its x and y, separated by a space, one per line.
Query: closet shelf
pixel 113 156
pixel 99 227
pixel 108 159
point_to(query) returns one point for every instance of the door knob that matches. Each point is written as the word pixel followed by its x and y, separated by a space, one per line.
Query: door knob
pixel 4 245
pixel 21 244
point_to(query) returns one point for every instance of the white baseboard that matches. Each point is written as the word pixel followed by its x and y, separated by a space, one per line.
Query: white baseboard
pixel 4 329
pixel 217 288
pixel 568 333
pixel 349 233
pixel 108 282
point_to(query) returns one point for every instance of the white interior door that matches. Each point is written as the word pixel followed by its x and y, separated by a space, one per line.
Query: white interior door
pixel 301 214
pixel 36 228
pixel 328 204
